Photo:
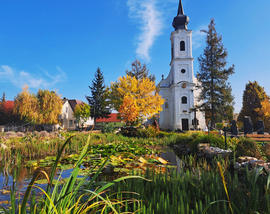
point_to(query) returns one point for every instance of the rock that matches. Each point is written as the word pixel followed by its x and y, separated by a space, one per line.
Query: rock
pixel 237 165
pixel 11 134
pixel 20 134
pixel 44 134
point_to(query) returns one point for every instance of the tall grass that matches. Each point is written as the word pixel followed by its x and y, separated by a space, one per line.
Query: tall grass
pixel 74 196
pixel 200 190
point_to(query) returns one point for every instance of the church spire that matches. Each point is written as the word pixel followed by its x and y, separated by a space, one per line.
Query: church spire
pixel 180 8
pixel 181 20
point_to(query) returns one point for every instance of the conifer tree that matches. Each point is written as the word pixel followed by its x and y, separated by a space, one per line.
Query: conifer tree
pixel 140 71
pixel 253 96
pixel 216 92
pixel 99 106
pixel 2 112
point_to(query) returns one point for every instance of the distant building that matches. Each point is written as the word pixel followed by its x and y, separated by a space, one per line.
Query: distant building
pixel 67 120
pixel 113 120
pixel 178 89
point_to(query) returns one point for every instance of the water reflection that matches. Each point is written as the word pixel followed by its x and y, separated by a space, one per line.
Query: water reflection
pixel 19 177
pixel 171 157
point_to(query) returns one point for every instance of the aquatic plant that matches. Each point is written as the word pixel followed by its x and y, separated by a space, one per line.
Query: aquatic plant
pixel 73 196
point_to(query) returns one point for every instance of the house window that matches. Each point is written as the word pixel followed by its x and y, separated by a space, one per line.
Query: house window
pixel 71 123
pixel 184 100
pixel 66 109
pixel 182 46
pixel 115 124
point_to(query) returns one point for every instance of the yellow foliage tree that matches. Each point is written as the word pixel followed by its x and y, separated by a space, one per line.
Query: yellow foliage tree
pixel 129 109
pixel 43 108
pixel 135 99
pixel 264 111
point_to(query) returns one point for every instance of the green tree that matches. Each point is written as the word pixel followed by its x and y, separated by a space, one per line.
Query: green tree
pixel 43 108
pixel 82 113
pixel 253 95
pixel 2 113
pixel 140 71
pixel 99 105
pixel 216 92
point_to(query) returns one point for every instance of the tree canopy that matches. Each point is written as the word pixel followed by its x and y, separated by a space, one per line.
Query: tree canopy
pixel 82 113
pixel 253 96
pixel 6 111
pixel 137 99
pixel 43 108
pixel 216 92
pixel 264 112
pixel 99 105
pixel 140 71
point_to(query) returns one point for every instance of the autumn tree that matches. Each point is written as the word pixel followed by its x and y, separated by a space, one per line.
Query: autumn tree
pixel 99 105
pixel 216 92
pixel 253 95
pixel 42 108
pixel 264 112
pixel 82 113
pixel 140 71
pixel 137 99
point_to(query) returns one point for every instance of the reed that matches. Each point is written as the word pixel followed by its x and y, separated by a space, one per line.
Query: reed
pixel 71 197
pixel 195 190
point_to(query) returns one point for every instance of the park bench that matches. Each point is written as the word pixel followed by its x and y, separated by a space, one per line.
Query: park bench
pixel 259 137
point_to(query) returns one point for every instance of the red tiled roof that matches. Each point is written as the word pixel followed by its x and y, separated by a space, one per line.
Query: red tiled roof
pixel 112 118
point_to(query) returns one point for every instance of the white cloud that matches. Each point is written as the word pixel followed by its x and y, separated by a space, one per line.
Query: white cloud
pixel 198 38
pixel 20 78
pixel 151 24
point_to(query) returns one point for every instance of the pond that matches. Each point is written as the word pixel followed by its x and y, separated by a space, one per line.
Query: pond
pixel 19 178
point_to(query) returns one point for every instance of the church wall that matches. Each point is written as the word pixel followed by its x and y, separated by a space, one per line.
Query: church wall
pixel 180 81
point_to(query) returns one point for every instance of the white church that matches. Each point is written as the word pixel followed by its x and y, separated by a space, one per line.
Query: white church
pixel 178 89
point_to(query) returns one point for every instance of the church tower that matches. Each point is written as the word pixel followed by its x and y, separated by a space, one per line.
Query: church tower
pixel 178 89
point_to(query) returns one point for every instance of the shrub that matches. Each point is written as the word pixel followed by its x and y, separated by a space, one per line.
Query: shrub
pixel 247 147
pixel 108 128
pixel 150 131
pixel 219 125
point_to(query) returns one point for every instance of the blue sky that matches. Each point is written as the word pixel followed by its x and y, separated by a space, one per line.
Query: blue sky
pixel 58 44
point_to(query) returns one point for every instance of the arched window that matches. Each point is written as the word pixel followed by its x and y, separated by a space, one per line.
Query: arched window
pixel 184 100
pixel 182 46
pixel 166 104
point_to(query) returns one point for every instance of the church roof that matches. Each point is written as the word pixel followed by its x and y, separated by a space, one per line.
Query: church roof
pixel 181 20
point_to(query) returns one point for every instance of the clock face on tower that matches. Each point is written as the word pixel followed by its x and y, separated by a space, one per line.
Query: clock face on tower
pixel 184 85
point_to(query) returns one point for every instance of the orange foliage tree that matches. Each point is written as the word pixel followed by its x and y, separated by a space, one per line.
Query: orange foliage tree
pixel 264 111
pixel 135 99
pixel 43 108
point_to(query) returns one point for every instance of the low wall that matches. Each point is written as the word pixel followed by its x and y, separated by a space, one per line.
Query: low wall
pixel 27 128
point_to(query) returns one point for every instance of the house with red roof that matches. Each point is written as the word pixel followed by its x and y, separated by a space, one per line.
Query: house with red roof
pixel 68 121
pixel 6 113
pixel 113 120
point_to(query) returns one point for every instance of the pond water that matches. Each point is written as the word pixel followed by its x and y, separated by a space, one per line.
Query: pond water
pixel 21 177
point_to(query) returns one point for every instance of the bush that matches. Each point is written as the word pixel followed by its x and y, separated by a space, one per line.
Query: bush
pixel 247 147
pixel 219 125
pixel 108 128
pixel 150 131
